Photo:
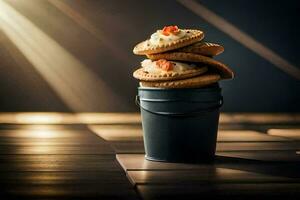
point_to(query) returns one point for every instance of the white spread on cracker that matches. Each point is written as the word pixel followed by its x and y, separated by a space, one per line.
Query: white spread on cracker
pixel 158 38
pixel 151 67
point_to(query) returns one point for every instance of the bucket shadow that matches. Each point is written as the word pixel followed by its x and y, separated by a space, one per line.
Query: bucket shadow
pixel 273 168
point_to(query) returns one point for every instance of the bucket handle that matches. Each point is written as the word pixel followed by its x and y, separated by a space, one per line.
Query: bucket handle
pixel 196 112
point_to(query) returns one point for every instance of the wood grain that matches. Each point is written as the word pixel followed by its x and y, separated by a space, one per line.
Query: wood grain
pixel 221 191
pixel 137 162
pixel 286 133
pixel 69 160
pixel 205 175
pixel 59 162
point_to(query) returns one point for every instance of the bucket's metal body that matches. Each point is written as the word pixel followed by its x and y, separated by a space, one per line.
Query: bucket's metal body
pixel 180 125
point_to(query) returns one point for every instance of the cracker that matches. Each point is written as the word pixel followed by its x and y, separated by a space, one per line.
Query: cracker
pixel 203 48
pixel 198 81
pixel 225 72
pixel 140 74
pixel 145 47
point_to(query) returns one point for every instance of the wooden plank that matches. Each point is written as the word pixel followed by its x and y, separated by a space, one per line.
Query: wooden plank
pixel 118 132
pixel 260 118
pixel 134 133
pixel 50 141
pixel 135 162
pixel 210 190
pixel 78 191
pixel 48 149
pixel 109 118
pixel 21 158
pixel 95 182
pixel 137 146
pixel 211 175
pixel 129 133
pixel 128 147
pixel 58 164
pixel 246 136
pixel 272 168
pixel 4 158
pixel 63 177
pixel 256 146
pixel 37 118
pixel 274 156
pixel 43 127
pixel 263 128
pixel 287 133
pixel 45 134
pixel 240 160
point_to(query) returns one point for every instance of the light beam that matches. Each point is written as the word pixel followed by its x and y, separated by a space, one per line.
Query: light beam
pixel 74 83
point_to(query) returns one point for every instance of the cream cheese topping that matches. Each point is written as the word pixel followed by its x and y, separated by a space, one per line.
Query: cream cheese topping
pixel 158 38
pixel 151 67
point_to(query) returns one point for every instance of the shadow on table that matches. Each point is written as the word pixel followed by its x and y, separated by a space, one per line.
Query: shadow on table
pixel 274 168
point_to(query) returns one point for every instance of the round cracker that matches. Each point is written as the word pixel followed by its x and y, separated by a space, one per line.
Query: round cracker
pixel 225 71
pixel 140 74
pixel 145 47
pixel 198 81
pixel 203 48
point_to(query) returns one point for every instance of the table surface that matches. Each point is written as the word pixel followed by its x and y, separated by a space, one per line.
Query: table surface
pixel 101 155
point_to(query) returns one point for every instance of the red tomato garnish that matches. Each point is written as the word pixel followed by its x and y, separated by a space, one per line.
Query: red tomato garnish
pixel 164 64
pixel 167 30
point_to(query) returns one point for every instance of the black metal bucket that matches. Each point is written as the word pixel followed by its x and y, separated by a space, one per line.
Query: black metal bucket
pixel 180 125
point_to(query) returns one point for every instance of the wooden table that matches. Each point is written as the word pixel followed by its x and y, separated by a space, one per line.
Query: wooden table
pixel 96 155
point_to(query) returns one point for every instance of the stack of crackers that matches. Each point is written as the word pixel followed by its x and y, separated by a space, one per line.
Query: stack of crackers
pixel 179 58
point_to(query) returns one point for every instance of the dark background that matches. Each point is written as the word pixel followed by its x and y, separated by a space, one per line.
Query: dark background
pixel 259 86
